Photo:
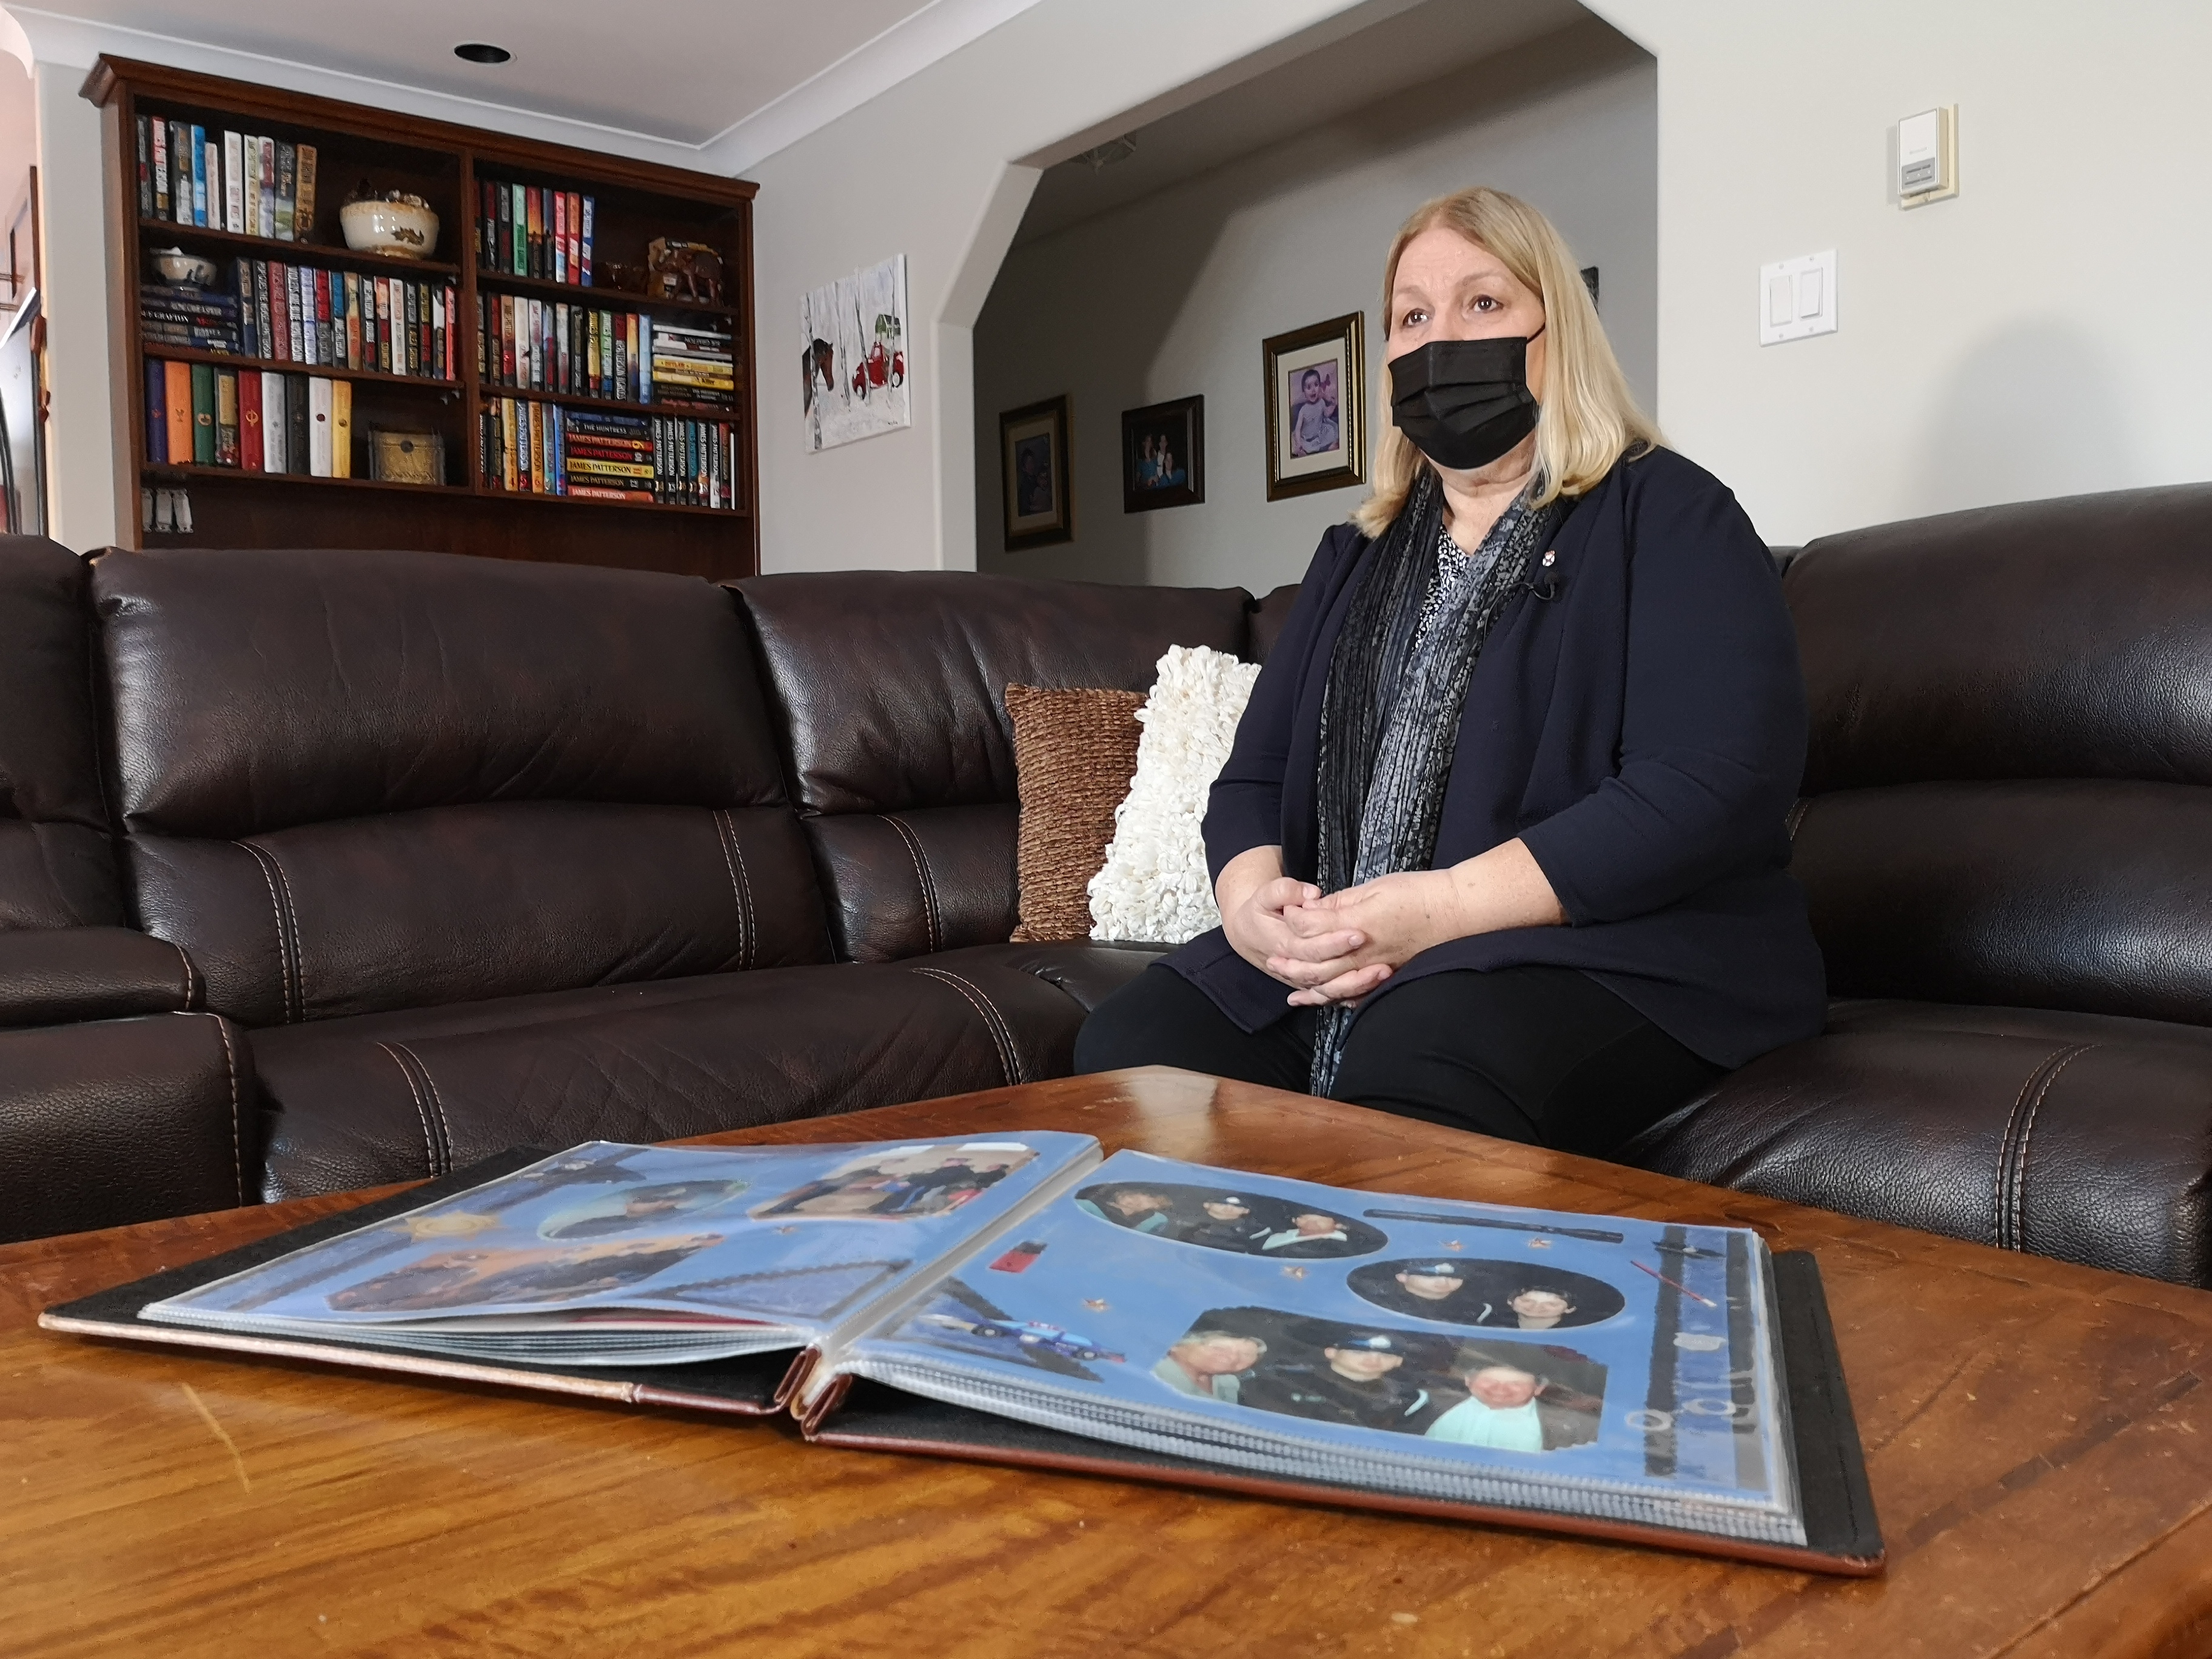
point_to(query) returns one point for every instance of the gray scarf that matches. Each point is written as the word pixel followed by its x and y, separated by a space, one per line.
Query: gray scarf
pixel 1390 710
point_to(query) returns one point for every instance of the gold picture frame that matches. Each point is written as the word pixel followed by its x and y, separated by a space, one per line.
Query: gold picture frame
pixel 1316 407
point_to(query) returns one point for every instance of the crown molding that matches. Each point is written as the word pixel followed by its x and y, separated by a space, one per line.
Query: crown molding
pixel 909 47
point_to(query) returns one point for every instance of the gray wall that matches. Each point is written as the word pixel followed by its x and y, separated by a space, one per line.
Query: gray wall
pixel 1172 295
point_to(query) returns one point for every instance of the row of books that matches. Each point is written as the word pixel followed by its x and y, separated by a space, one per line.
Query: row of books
pixel 538 448
pixel 201 415
pixel 290 313
pixel 549 345
pixel 527 230
pixel 190 174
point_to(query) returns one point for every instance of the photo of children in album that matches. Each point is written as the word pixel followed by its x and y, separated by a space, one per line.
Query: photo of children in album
pixel 1216 1219
pixel 907 1185
pixel 452 1279
pixel 1478 1291
pixel 635 1207
pixel 1511 1396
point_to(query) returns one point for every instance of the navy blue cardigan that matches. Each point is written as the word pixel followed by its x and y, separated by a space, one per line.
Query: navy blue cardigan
pixel 1639 724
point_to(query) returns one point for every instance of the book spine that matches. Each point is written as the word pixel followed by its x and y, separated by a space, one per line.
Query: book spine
pixel 303 207
pixel 319 428
pixel 200 177
pixel 298 438
pixel 233 187
pixel 249 329
pixel 145 168
pixel 510 460
pixel 573 246
pixel 294 322
pixel 249 197
pixel 269 189
pixel 157 412
pixel 287 158
pixel 487 223
pixel 249 452
pixel 353 320
pixel 177 399
pixel 533 232
pixel 276 426
pixel 160 137
pixel 264 316
pixel 411 333
pixel 451 354
pixel 584 239
pixel 202 384
pixel 180 172
pixel 341 428
pixel 325 337
pixel 226 418
pixel 646 390
pixel 562 362
pixel 437 299
pixel 557 247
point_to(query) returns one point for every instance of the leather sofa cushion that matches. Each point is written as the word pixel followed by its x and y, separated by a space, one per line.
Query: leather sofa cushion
pixel 2049 638
pixel 56 975
pixel 2079 1136
pixel 457 903
pixel 394 1097
pixel 122 1121
pixel 55 867
pixel 1269 615
pixel 255 690
pixel 931 878
pixel 2088 895
pixel 890 683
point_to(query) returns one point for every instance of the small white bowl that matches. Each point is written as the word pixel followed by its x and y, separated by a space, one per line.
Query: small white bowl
pixel 398 230
pixel 181 270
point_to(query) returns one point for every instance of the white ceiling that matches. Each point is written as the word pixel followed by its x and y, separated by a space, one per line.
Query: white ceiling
pixel 685 73
pixel 1409 49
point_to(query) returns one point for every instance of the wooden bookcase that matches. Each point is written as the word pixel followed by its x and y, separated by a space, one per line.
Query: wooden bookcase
pixel 636 202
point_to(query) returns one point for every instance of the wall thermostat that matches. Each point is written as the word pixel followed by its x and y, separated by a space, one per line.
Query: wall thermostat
pixel 1927 157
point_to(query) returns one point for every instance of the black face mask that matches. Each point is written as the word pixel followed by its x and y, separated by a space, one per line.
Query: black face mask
pixel 1464 403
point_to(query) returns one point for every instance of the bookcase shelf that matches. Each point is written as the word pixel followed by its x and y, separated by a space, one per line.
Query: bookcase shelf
pixel 605 298
pixel 155 232
pixel 161 352
pixel 447 165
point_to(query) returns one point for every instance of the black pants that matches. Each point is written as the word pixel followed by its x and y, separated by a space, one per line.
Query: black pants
pixel 1544 1055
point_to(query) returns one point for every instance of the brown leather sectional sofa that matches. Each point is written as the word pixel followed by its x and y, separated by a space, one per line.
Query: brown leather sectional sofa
pixel 325 868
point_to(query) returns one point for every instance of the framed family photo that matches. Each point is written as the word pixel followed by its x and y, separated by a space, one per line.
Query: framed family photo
pixel 1316 408
pixel 1033 459
pixel 1163 455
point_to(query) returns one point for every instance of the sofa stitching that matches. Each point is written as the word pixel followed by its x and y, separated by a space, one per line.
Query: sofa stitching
pixel 438 1101
pixel 429 1151
pixel 292 927
pixel 191 979
pixel 741 887
pixel 1001 1039
pixel 2026 1130
pixel 230 1068
pixel 277 906
pixel 2001 1191
pixel 929 916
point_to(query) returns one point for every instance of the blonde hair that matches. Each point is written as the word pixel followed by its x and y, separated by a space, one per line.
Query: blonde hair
pixel 1588 419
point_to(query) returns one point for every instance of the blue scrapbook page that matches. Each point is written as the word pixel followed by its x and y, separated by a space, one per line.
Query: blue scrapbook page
pixel 1632 1354
pixel 797 1236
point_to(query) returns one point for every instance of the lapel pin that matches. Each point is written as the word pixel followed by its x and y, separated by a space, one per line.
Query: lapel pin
pixel 1551 558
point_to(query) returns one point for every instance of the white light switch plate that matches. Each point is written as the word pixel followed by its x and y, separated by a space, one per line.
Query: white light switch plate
pixel 1797 298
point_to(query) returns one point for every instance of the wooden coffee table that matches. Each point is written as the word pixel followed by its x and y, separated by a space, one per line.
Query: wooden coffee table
pixel 2039 1435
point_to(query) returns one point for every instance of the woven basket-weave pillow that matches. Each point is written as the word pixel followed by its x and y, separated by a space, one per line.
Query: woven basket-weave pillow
pixel 1075 750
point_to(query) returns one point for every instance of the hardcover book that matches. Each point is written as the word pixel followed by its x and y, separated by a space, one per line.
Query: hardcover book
pixel 1012 1298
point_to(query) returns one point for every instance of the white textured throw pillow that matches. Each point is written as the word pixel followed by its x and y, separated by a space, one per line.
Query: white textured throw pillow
pixel 1154 883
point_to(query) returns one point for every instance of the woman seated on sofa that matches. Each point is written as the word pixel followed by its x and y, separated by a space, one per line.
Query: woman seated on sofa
pixel 1501 843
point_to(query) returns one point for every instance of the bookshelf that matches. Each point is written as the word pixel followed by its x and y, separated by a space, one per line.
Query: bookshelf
pixel 449 166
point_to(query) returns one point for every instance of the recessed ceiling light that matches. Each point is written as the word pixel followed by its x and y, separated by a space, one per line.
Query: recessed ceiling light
pixel 478 51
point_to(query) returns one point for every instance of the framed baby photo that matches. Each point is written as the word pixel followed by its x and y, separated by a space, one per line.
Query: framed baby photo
pixel 1033 460
pixel 1316 407
pixel 1163 455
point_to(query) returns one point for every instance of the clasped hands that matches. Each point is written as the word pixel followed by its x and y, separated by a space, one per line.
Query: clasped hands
pixel 1342 946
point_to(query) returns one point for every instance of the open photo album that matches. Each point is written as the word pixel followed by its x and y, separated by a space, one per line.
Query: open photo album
pixel 1016 1297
